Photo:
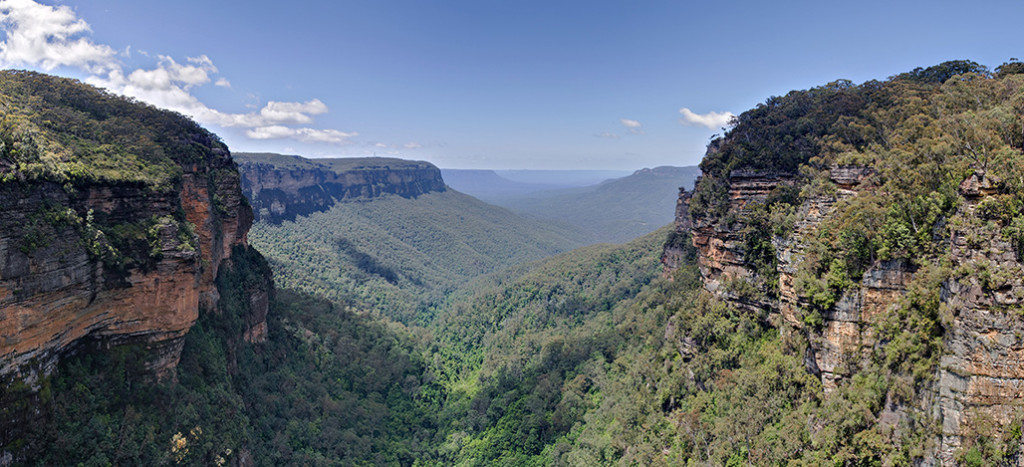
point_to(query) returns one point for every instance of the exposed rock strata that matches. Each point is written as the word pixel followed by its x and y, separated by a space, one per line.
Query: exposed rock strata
pixel 280 192
pixel 718 241
pixel 60 282
pixel 981 373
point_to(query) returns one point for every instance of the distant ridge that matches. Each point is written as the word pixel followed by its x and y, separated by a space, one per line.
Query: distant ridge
pixel 281 187
pixel 615 210
pixel 487 185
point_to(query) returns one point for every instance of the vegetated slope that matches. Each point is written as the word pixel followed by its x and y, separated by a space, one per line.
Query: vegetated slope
pixel 107 204
pixel 846 290
pixel 616 210
pixel 593 358
pixel 894 207
pixel 879 226
pixel 328 387
pixel 399 256
pixel 522 352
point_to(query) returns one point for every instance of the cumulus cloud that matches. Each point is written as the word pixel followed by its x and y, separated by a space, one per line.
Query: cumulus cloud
pixel 170 73
pixel 47 37
pixel 292 112
pixel 412 145
pixel 306 135
pixel 712 120
pixel 632 126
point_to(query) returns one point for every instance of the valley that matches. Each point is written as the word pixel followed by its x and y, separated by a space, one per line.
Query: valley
pixel 837 283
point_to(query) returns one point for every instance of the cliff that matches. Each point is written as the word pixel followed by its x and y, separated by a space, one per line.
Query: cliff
pixel 118 218
pixel 885 257
pixel 281 187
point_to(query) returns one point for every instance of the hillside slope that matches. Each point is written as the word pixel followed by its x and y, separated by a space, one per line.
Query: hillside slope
pixel 878 228
pixel 616 210
pixel 108 205
pixel 397 249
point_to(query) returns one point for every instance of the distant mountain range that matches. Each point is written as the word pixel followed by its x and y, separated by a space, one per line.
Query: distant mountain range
pixel 614 210
pixel 496 186
pixel 487 185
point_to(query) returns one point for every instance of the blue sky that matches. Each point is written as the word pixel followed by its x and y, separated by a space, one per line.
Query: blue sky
pixel 488 83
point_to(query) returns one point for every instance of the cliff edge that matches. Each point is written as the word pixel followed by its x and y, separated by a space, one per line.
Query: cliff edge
pixel 118 218
pixel 281 187
pixel 881 225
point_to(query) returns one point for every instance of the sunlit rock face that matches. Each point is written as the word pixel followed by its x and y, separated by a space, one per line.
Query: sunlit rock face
pixel 980 377
pixel 61 283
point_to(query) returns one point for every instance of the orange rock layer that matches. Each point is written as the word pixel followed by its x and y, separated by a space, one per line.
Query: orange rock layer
pixel 56 290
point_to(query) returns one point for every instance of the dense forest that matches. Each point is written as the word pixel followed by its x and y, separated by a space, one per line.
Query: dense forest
pixel 380 352
pixel 401 256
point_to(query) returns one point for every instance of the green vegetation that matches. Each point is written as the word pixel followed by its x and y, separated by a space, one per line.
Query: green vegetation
pixel 64 131
pixel 329 387
pixel 921 133
pixel 401 257
pixel 590 357
pixel 65 137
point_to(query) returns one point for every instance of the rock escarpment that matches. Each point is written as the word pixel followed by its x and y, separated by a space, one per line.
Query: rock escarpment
pixel 981 372
pixel 117 220
pixel 281 187
pixel 880 228
pixel 979 381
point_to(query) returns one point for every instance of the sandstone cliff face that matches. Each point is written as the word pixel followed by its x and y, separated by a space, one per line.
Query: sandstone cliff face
pixel 63 279
pixel 981 373
pixel 980 377
pixel 675 251
pixel 718 241
pixel 280 193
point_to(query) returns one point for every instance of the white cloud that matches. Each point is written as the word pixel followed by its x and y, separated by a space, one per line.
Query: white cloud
pixel 270 132
pixel 412 145
pixel 48 37
pixel 306 135
pixel 170 73
pixel 632 126
pixel 311 135
pixel 292 112
pixel 608 135
pixel 712 120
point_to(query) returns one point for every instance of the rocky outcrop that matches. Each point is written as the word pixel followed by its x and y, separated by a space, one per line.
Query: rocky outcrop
pixel 283 187
pixel 719 241
pixel 675 248
pixel 71 265
pixel 981 373
pixel 980 379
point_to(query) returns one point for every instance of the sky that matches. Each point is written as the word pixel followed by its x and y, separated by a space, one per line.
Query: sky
pixel 489 84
